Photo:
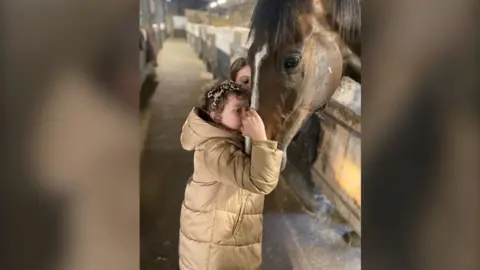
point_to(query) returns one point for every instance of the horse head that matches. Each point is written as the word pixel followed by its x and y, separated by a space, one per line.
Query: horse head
pixel 297 63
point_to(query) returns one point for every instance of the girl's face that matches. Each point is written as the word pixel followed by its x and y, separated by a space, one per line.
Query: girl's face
pixel 244 76
pixel 233 112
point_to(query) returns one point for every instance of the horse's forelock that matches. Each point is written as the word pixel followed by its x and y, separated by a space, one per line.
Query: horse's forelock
pixel 274 22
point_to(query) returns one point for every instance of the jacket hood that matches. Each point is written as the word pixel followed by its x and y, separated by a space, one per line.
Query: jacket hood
pixel 197 131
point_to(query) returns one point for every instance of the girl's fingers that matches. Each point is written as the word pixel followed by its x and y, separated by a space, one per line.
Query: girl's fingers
pixel 255 114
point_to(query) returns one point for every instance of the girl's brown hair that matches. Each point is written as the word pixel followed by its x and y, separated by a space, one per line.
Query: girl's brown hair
pixel 236 66
pixel 215 97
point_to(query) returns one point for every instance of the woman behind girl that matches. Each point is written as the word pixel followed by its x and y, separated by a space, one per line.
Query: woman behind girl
pixel 221 217
pixel 241 73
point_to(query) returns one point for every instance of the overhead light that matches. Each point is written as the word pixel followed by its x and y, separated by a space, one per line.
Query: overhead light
pixel 213 4
pixel 221 2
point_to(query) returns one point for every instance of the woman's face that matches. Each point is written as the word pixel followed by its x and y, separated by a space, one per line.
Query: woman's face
pixel 244 76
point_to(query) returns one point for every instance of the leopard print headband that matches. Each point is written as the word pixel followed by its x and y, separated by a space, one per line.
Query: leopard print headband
pixel 218 91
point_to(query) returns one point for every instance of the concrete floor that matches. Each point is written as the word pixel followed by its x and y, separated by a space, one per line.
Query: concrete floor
pixel 293 238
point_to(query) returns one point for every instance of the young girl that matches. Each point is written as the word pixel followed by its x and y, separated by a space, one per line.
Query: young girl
pixel 221 218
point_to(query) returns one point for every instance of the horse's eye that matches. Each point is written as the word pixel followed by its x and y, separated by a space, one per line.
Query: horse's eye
pixel 291 62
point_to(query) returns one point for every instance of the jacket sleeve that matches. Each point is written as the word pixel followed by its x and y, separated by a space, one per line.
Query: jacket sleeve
pixel 258 173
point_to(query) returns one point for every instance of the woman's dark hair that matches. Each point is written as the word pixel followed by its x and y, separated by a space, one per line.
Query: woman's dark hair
pixel 236 66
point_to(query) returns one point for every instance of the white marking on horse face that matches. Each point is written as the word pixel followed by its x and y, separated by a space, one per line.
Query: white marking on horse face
pixel 259 56
pixel 258 59
pixel 330 69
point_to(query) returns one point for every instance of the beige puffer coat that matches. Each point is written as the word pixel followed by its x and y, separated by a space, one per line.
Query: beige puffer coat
pixel 221 217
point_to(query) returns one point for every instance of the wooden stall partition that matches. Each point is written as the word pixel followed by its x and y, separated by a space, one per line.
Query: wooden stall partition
pixel 210 59
pixel 224 37
pixel 337 169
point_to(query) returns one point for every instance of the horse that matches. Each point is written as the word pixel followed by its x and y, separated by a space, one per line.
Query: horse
pixel 298 53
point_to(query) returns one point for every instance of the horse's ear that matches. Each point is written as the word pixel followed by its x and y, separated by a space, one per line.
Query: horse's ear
pixel 319 8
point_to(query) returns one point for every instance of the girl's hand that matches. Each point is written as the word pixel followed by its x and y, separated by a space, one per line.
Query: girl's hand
pixel 253 127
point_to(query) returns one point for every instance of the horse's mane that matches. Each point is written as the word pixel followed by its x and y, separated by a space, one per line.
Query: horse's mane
pixel 347 16
pixel 274 21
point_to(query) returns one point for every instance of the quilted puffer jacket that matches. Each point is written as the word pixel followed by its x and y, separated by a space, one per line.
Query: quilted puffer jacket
pixel 221 217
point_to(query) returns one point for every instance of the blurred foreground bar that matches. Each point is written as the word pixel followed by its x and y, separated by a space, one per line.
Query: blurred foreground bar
pixel 70 134
pixel 421 130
